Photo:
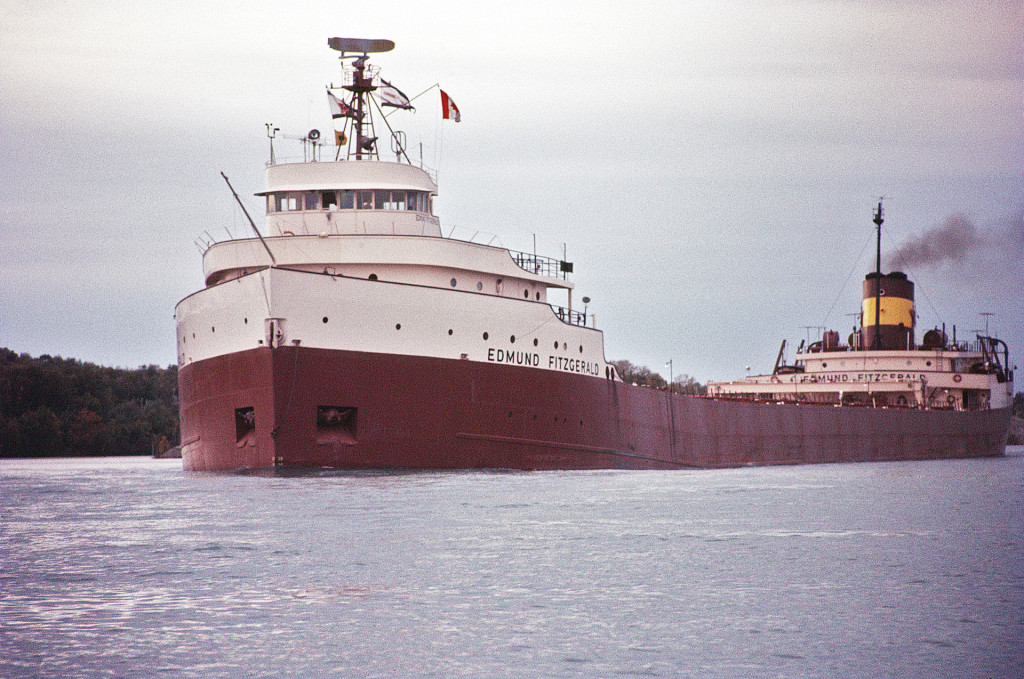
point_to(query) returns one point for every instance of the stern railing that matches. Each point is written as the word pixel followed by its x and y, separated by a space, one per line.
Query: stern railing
pixel 569 316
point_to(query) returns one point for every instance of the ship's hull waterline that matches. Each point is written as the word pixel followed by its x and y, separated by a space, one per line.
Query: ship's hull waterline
pixel 309 407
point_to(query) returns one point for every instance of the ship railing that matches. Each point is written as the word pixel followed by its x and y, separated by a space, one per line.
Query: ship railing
pixel 569 315
pixel 542 266
pixel 325 151
pixel 966 346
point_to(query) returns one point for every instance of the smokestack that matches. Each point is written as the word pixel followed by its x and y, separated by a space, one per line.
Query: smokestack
pixel 895 296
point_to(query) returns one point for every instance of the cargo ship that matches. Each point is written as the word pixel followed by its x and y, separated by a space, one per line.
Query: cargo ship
pixel 353 334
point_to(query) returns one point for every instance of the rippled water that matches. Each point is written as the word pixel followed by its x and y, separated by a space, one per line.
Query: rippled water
pixel 133 568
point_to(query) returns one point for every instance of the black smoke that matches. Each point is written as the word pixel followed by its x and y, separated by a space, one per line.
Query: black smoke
pixel 954 240
pixel 958 241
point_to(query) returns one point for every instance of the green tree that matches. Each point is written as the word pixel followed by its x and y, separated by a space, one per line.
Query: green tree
pixel 57 406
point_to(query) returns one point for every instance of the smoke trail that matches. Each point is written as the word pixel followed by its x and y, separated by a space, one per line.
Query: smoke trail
pixel 955 240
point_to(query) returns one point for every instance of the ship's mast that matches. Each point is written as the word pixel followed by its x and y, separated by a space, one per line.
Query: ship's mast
pixel 361 86
pixel 877 343
pixel 359 49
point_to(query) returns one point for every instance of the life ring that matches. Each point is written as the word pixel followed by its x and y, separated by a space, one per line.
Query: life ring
pixel 288 233
pixel 957 377
pixel 775 379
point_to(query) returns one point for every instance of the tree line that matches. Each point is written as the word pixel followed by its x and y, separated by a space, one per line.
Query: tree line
pixel 53 406
pixel 645 377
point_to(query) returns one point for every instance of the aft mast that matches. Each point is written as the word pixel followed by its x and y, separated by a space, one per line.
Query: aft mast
pixel 877 343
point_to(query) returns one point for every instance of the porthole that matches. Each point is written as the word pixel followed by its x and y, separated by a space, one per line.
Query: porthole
pixel 325 319
pixel 556 345
pixel 246 320
pixel 534 341
pixel 398 326
pixel 526 294
pixel 454 282
pixel 212 329
pixel 510 414
pixel 824 365
pixel 512 339
pixel 450 331
pixel 581 348
pixel 479 285
pixel 373 277
pixel 538 296
pixel 928 363
pixel 486 335
pixel 565 345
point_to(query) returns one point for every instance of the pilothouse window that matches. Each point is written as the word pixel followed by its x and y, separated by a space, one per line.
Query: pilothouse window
pixel 380 199
pixel 286 202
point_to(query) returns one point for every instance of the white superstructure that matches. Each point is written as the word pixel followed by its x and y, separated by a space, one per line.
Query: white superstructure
pixel 354 259
pixel 969 376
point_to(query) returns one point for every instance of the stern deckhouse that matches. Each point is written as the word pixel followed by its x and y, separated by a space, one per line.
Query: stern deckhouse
pixel 882 365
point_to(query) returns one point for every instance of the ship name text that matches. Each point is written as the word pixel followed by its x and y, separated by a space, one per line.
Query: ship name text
pixel 574 365
pixel 515 357
pixel 830 378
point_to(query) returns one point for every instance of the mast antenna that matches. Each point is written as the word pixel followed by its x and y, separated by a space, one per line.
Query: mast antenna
pixel 271 133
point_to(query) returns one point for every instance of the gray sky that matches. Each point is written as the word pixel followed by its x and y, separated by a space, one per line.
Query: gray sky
pixel 711 167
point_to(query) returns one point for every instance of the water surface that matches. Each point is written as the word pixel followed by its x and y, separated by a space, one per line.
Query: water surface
pixel 130 567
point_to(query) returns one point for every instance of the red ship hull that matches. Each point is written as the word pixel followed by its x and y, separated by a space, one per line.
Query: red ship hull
pixel 298 406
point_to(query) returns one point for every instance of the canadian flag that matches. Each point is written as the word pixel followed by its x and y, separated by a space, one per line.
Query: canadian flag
pixel 448 108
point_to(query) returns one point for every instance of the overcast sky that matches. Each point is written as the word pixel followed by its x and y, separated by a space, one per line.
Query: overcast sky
pixel 710 167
